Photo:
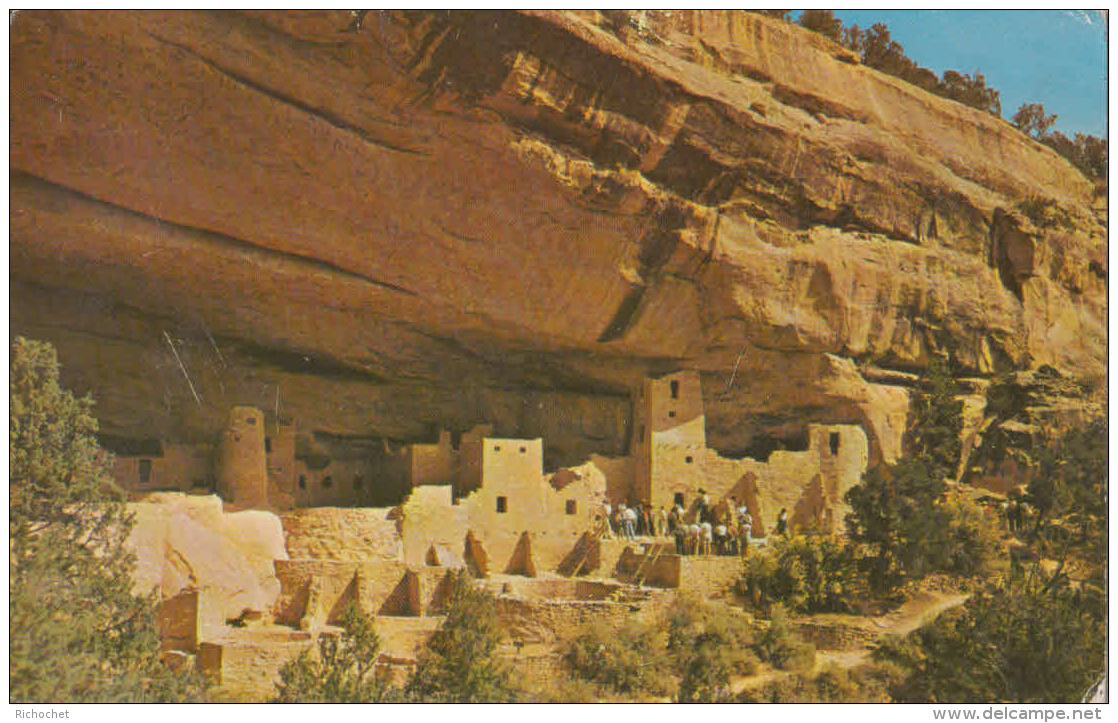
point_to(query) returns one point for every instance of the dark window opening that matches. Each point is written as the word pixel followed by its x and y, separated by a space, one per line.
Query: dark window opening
pixel 145 471
pixel 358 483
pixel 268 445
pixel 327 482
pixel 496 448
pixel 640 434
pixel 678 500
pixel 251 421
pixel 671 414
pixel 688 459
pixel 572 506
pixel 834 442
pixel 523 450
pixel 675 389
pixel 302 481
pixel 502 504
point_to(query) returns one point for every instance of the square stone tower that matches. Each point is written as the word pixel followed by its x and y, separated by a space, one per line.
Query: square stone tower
pixel 668 422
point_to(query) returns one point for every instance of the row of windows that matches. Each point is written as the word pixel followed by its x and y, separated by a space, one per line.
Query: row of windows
pixel 497 448
pixel 503 505
pixel 328 482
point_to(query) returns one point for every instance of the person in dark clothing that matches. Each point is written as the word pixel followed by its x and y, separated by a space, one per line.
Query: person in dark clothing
pixel 782 522
pixel 680 535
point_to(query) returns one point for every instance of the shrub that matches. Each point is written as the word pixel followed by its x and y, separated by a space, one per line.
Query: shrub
pixel 780 648
pixel 628 660
pixel 709 642
pixel 344 671
pixel 970 539
pixel 868 684
pixel 807 573
pixel 457 664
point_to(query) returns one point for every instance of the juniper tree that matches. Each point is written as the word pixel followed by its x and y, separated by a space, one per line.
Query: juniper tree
pixel 77 631
pixel 344 670
pixel 457 665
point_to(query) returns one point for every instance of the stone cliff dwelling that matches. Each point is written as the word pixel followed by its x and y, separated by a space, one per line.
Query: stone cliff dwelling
pixel 485 504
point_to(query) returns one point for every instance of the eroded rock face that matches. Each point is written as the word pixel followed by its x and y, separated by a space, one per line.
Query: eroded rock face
pixel 445 219
pixel 188 543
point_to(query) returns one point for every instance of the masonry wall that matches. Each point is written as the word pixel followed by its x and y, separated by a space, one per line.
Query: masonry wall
pixel 430 517
pixel 663 571
pixel 279 451
pixel 323 589
pixel 337 533
pixel 432 464
pixel 709 576
pixel 242 468
pixel 543 621
pixel 619 473
pixel 181 468
pixel 469 460
pixel 341 483
pixel 667 412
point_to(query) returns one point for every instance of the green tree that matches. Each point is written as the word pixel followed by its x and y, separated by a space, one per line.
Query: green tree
pixel 823 22
pixel 807 573
pixel 1031 638
pixel 344 671
pixel 77 633
pixel 893 511
pixel 937 421
pixel 1032 120
pixel 458 665
pixel 1070 489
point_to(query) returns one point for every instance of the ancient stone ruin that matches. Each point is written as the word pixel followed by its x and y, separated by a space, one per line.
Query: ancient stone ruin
pixel 287 543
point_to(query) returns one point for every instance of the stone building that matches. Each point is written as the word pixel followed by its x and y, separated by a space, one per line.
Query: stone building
pixel 151 465
pixel 672 462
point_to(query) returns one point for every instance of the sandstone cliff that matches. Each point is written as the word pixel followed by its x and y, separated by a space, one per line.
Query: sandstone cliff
pixel 440 219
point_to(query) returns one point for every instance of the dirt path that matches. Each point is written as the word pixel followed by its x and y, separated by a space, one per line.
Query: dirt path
pixel 921 609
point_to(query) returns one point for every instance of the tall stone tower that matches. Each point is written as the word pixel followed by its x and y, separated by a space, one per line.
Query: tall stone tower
pixel 668 422
pixel 242 463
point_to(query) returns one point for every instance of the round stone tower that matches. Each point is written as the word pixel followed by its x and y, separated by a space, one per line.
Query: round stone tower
pixel 242 464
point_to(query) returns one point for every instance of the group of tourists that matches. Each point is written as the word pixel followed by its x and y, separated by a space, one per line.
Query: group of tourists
pixel 1016 512
pixel 725 528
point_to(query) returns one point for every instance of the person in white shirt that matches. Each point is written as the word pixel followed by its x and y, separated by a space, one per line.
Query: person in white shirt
pixel 706 537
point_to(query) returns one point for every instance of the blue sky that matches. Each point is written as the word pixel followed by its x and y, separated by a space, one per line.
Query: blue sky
pixel 1053 57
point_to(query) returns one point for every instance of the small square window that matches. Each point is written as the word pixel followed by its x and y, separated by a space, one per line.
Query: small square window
pixel 572 507
pixel 671 414
pixel 250 421
pixel 523 450
pixel 502 504
pixel 496 448
pixel 327 482
pixel 302 481
pixel 688 459
pixel 678 499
